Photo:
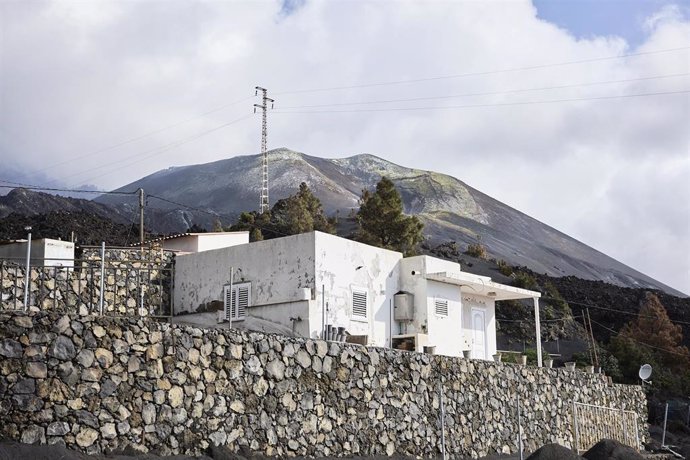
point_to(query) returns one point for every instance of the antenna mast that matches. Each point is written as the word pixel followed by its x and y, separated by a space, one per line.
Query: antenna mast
pixel 263 205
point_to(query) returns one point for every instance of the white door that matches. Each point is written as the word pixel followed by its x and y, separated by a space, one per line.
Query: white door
pixel 478 334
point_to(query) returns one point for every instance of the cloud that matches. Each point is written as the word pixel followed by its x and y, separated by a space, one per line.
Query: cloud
pixel 76 79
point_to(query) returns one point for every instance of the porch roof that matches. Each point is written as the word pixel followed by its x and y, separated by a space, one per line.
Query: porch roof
pixel 482 285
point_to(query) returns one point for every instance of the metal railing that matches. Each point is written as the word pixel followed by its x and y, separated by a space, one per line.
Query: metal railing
pixel 88 286
pixel 592 423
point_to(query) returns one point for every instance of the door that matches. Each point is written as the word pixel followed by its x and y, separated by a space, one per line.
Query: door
pixel 478 334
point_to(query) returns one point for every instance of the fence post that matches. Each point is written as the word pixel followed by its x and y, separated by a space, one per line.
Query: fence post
pixel 663 436
pixel 443 420
pixel 625 427
pixel 102 277
pixel 520 446
pixel 27 274
pixel 576 434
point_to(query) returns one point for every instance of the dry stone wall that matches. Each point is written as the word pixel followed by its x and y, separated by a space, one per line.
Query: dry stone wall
pixel 97 383
pixel 133 279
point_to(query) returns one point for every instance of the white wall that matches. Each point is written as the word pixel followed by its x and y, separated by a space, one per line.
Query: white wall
pixel 337 274
pixel 210 241
pixel 445 332
pixel 206 241
pixel 279 270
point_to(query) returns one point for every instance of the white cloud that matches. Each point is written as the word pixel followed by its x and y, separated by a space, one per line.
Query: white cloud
pixel 77 78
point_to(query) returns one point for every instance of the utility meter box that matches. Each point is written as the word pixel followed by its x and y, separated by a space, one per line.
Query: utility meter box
pixel 403 306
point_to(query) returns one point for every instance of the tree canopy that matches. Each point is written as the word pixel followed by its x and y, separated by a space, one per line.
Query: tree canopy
pixel 298 213
pixel 654 339
pixel 381 221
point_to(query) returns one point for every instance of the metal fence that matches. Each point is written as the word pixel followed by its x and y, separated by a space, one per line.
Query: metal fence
pixel 592 423
pixel 88 286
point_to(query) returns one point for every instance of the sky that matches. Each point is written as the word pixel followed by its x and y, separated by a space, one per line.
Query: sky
pixel 574 112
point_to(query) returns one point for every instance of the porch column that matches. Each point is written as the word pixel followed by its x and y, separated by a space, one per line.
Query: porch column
pixel 537 326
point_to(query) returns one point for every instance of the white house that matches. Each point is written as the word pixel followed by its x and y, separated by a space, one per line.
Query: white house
pixel 316 282
pixel 199 242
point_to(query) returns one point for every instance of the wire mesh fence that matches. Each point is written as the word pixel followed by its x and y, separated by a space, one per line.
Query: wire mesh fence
pixel 592 423
pixel 94 285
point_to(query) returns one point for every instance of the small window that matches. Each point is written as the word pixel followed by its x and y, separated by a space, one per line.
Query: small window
pixel 359 304
pixel 236 301
pixel 441 307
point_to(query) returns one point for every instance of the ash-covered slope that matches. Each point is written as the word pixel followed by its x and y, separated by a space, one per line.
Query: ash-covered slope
pixel 450 209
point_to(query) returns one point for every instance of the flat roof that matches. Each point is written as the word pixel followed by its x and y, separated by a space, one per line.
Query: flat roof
pixel 482 285
pixel 182 235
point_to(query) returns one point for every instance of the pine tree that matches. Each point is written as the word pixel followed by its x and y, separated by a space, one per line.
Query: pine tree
pixel 382 222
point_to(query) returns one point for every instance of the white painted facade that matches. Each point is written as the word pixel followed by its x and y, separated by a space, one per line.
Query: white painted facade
pixel 305 282
pixel 199 242
pixel 44 251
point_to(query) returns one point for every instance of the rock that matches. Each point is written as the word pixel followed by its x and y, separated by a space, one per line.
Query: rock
pixel 237 406
pixel 98 331
pixel 303 359
pixel 276 369
pixel 87 418
pixel 176 396
pixel 34 434
pixel 91 375
pixel 133 364
pixel 25 386
pixel 108 431
pixel 58 429
pixel 62 348
pixel 253 365
pixel 104 357
pixel 23 321
pixel 148 414
pixel 37 370
pixel 10 348
pixel 155 351
pixel 86 437
pixel 27 402
pixel 85 358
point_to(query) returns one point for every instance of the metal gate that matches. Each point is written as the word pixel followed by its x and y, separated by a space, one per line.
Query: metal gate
pixel 592 423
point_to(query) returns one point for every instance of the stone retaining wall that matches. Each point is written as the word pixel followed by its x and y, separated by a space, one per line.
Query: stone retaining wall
pixel 133 278
pixel 97 383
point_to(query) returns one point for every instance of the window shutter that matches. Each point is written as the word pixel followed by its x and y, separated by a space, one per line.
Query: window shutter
pixel 359 304
pixel 243 301
pixel 236 301
pixel 441 307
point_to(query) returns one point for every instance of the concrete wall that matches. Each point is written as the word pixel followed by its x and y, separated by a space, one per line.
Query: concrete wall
pixel 277 269
pixel 342 266
pixel 98 383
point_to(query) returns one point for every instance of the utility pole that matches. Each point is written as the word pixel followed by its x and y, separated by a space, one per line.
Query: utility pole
pixel 141 217
pixel 263 204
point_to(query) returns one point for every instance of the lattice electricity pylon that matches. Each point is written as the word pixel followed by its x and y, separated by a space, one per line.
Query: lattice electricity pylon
pixel 263 203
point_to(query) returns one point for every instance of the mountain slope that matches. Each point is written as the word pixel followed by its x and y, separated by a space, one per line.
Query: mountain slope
pixel 450 209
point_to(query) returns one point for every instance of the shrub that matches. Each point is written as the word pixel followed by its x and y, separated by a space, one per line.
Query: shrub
pixel 504 268
pixel 476 250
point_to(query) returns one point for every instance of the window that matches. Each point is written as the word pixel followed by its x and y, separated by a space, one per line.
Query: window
pixel 359 304
pixel 236 301
pixel 441 307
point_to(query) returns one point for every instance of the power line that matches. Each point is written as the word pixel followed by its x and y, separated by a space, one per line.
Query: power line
pixel 641 343
pixel 503 104
pixel 487 93
pixel 36 187
pixel 145 135
pixel 615 310
pixel 153 152
pixel 489 72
